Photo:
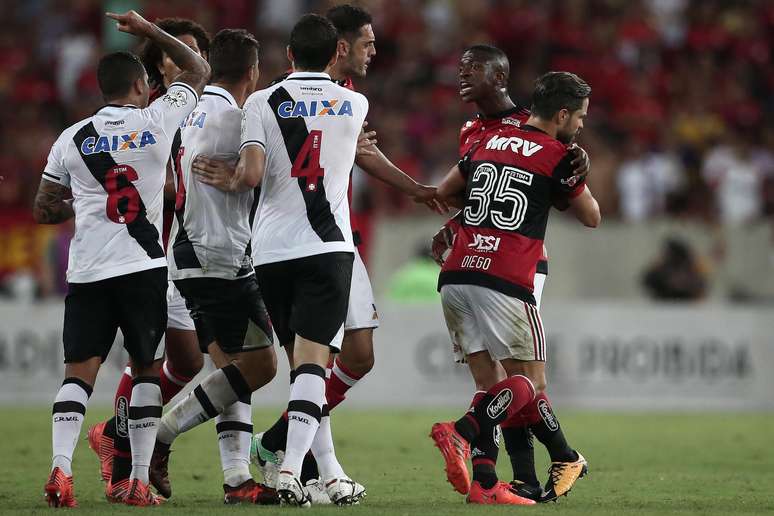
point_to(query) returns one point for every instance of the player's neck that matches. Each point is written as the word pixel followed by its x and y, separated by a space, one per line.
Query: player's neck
pixel 336 72
pixel 491 106
pixel 129 100
pixel 546 126
pixel 238 91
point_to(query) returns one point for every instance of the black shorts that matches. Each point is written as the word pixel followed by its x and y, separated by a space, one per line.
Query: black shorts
pixel 136 303
pixel 308 296
pixel 230 312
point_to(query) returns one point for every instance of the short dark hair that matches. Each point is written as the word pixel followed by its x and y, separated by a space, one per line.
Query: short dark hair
pixel 117 72
pixel 232 53
pixel 348 19
pixel 491 54
pixel 313 42
pixel 151 53
pixel 555 91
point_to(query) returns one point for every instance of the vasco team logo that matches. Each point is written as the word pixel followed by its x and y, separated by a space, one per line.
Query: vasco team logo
pixel 309 108
pixel 501 403
pixel 548 416
pixel 176 99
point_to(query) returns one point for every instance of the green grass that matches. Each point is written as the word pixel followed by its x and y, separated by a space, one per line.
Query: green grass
pixel 639 464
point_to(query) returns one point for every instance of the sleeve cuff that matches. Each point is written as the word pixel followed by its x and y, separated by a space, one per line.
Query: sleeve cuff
pixel 248 143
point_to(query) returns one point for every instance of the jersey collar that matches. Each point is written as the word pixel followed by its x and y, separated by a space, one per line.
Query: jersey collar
pixel 116 106
pixel 217 91
pixel 310 76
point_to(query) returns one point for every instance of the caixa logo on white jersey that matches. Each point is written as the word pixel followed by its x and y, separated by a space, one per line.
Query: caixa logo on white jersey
pixel 485 243
pixel 514 144
pixel 500 404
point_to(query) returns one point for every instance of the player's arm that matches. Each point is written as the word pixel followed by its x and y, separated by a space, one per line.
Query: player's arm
pixel 377 165
pixel 586 208
pixel 452 189
pixel 195 69
pixel 249 171
pixel 52 204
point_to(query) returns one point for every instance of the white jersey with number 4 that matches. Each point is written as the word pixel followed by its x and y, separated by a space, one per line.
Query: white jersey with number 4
pixel 308 125
pixel 115 164
pixel 211 233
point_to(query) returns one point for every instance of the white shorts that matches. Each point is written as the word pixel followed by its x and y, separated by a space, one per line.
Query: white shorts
pixel 178 316
pixel 361 312
pixel 482 319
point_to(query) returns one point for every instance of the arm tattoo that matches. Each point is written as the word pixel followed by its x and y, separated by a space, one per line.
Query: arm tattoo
pixel 50 206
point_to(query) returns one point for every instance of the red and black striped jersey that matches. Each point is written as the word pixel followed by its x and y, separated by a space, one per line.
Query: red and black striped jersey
pixel 512 175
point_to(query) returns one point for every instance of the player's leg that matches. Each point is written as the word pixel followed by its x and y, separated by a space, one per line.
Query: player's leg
pixel 502 399
pixel 182 360
pixel 538 418
pixel 89 330
pixel 142 304
pixel 320 298
pixel 228 314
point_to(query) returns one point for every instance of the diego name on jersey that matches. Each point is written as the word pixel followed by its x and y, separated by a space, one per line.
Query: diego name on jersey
pixel 115 164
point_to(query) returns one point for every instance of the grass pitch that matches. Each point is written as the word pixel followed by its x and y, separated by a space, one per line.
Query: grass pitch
pixel 638 464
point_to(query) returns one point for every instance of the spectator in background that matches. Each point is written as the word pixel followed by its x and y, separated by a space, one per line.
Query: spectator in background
pixel 676 274
pixel 736 176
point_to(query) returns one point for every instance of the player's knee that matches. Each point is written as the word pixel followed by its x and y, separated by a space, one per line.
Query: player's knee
pixel 258 367
pixel 189 366
pixel 360 364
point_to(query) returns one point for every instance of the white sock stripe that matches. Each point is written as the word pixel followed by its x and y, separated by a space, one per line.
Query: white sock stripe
pixel 72 392
pixel 344 377
pixel 170 376
pixel 145 395
pixel 128 371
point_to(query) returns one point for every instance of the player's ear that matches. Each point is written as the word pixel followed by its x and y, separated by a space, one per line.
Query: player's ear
pixel 562 116
pixel 342 47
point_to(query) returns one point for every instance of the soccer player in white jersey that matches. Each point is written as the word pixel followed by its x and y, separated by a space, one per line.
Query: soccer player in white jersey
pixel 210 262
pixel 113 162
pixel 299 139
pixel 182 357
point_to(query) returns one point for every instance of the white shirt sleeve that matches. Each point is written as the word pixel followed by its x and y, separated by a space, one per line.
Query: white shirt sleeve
pixel 171 109
pixel 55 170
pixel 253 131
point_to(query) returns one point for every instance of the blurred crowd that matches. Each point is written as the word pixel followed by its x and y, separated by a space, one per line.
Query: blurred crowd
pixel 680 123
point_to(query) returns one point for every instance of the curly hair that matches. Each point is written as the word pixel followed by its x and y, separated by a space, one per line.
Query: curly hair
pixel 151 55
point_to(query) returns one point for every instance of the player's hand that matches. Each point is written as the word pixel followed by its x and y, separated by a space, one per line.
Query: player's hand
pixel 131 22
pixel 442 242
pixel 581 163
pixel 366 142
pixel 428 195
pixel 213 172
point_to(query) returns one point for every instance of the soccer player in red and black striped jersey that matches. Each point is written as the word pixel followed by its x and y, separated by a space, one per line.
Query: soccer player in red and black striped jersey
pixel 509 181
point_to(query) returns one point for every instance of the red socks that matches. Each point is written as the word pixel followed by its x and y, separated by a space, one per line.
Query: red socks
pixel 340 381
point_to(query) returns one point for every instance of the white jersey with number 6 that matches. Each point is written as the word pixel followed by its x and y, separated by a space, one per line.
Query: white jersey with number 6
pixel 308 126
pixel 115 164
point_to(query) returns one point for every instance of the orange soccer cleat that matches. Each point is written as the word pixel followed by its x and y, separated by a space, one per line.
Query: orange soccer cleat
pixel 58 491
pixel 250 491
pixel 500 494
pixel 116 493
pixel 102 445
pixel 456 451
pixel 140 495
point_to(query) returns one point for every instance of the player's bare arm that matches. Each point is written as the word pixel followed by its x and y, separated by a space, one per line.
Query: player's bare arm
pixel 52 204
pixel 249 170
pixel 195 70
pixel 452 188
pixel 366 143
pixel 586 209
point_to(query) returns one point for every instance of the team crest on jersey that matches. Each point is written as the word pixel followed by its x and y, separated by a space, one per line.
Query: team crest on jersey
pixel 117 142
pixel 176 99
pixel 309 108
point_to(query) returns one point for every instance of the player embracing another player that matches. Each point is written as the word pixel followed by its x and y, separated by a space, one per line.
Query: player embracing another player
pixel 508 182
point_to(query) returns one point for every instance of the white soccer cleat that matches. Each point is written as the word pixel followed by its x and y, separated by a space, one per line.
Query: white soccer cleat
pixel 317 492
pixel 268 461
pixel 291 492
pixel 344 491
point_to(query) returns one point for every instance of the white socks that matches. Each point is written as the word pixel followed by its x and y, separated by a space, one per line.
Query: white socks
pixel 307 396
pixel 235 429
pixel 144 416
pixel 67 418
pixel 322 449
